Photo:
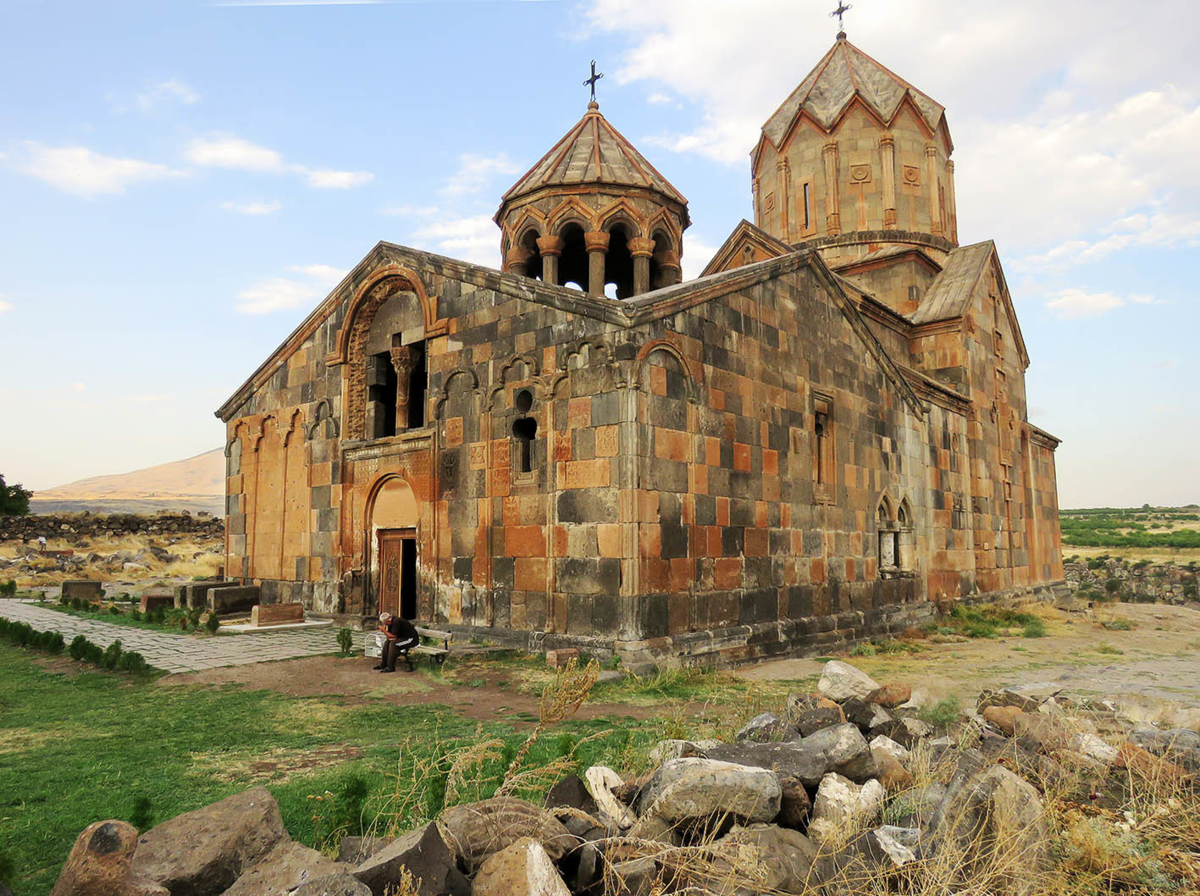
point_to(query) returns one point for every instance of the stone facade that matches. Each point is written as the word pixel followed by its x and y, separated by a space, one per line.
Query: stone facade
pixel 795 448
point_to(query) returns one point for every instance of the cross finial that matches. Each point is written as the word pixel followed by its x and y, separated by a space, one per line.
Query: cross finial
pixel 841 10
pixel 591 82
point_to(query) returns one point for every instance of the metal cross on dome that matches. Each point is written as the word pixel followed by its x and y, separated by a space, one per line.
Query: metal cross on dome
pixel 591 82
pixel 842 9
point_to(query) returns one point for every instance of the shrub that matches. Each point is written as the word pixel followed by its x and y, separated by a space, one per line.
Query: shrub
pixel 941 713
pixel 1034 629
pixel 114 610
pixel 1112 586
pixel 866 648
pixel 183 623
pixel 93 654
pixel 134 663
pixel 135 615
pixel 78 648
pixel 1118 625
pixel 142 816
pixel 345 641
pixel 8 589
pixel 1094 563
pixel 213 623
pixel 111 655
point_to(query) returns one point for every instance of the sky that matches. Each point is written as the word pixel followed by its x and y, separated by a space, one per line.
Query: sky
pixel 181 181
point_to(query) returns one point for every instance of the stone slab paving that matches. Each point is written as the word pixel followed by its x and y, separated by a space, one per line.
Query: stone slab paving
pixel 182 653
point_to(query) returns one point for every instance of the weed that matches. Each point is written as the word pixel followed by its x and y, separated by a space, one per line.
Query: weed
pixel 1035 628
pixel 142 816
pixel 941 713
pixel 1106 648
pixel 345 639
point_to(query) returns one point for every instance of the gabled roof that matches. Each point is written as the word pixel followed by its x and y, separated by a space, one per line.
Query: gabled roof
pixel 744 233
pixel 593 151
pixel 949 295
pixel 842 74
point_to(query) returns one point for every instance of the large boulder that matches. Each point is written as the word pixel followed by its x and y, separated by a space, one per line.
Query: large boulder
pixel 841 749
pixel 202 853
pixel 766 727
pixel 101 864
pixel 786 856
pixel 1180 745
pixel 686 789
pixel 477 830
pixel 426 856
pixel 602 783
pixel 334 885
pixel 996 829
pixel 889 696
pixel 842 806
pixel 283 870
pixel 841 681
pixel 522 868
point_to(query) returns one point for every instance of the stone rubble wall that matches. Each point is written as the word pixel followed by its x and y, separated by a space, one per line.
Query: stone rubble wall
pixel 69 525
pixel 1165 582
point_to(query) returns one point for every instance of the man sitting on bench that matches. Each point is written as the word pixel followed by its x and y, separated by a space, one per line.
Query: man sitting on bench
pixel 401 637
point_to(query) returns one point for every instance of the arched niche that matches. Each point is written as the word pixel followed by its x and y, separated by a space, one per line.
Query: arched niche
pixel 395 506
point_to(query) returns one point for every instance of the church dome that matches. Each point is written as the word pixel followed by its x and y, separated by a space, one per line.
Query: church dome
pixel 856 160
pixel 595 213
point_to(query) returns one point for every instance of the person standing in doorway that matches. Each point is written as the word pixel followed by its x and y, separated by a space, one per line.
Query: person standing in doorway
pixel 401 638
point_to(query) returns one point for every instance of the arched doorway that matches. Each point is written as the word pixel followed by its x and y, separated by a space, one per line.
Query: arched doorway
pixel 393 537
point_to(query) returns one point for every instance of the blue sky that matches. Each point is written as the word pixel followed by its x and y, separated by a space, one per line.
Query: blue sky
pixel 181 181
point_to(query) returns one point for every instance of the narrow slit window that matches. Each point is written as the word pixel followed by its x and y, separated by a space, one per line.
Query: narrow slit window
pixel 807 206
pixel 524 431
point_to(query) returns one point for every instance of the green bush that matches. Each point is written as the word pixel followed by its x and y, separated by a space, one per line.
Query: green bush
pixel 8 589
pixel 111 655
pixel 93 654
pixel 1034 629
pixel 135 615
pixel 941 713
pixel 133 662
pixel 213 623
pixel 1112 586
pixel 78 648
pixel 1095 563
pixel 114 610
pixel 142 816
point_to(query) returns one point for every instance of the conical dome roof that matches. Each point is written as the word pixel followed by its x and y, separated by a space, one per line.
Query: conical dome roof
pixel 842 74
pixel 593 152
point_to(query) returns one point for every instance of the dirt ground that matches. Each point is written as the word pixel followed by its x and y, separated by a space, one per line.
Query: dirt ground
pixel 1159 657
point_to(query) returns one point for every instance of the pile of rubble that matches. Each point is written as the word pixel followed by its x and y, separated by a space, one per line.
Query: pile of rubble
pixel 73 526
pixel 842 786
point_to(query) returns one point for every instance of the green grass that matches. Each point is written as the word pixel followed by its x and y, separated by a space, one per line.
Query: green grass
pixel 989 621
pixel 123 618
pixel 82 746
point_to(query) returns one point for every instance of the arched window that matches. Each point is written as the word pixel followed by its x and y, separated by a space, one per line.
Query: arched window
pixel 618 262
pixel 573 263
pixel 533 257
pixel 524 430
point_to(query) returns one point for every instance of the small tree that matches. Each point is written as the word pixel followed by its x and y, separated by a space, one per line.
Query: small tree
pixel 14 500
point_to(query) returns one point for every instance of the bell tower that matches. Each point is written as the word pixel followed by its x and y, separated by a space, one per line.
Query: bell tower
pixel 855 161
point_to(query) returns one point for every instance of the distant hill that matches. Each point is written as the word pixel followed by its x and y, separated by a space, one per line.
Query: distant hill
pixel 196 484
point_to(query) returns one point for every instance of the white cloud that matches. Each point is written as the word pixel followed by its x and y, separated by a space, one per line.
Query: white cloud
pixel 1070 304
pixel 235 153
pixel 82 172
pixel 1155 228
pixel 696 254
pixel 658 98
pixel 78 387
pixel 474 238
pixel 476 171
pixel 325 179
pixel 252 208
pixel 5 306
pixel 238 154
pixel 282 293
pixel 167 91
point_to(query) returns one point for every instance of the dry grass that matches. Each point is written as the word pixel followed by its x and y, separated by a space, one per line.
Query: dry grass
pixel 186 547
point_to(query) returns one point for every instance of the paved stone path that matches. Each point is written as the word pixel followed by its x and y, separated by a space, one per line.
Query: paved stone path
pixel 182 653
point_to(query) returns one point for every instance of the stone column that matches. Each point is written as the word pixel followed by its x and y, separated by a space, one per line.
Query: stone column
pixel 596 242
pixel 404 359
pixel 641 249
pixel 935 216
pixel 833 214
pixel 518 260
pixel 550 247
pixel 669 267
pixel 754 190
pixel 783 173
pixel 887 147
pixel 951 205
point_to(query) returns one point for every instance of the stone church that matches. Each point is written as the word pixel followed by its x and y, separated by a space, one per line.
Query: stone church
pixel 818 439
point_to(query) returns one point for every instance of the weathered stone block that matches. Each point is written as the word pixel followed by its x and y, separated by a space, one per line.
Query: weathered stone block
pixel 233 598
pixel 82 589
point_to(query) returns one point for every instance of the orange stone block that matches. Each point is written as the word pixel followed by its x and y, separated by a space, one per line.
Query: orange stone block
pixel 454 432
pixel 650 540
pixel 608 538
pixel 478 455
pixel 712 451
pixel 561 540
pixel 588 473
pixel 607 441
pixel 755 544
pixel 816 572
pixel 511 514
pixel 500 482
pixel 671 444
pixel 562 447
pixel 722 511
pixel 770 461
pixel 529 574
pixel 714 540
pixel 681 574
pixel 321 474
pixel 741 457
pixel 524 541
pixel 579 413
pixel 727 573
pixel 761 514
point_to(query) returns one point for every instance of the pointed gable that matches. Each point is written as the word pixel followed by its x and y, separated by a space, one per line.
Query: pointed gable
pixel 846 72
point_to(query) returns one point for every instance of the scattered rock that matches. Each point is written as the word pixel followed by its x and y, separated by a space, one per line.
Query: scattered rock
pixel 795 805
pixel 570 793
pixel 783 857
pixel 892 774
pixel 813 720
pixel 426 855
pixel 202 853
pixel 635 877
pixel 685 789
pixel 680 749
pixel 101 864
pixel 1146 764
pixel 839 749
pixel 1003 717
pixel 1180 745
pixel 354 850
pixel 841 681
pixel 334 885
pixel 476 831
pixel 1093 747
pixel 886 745
pixel 523 868
pixel 284 869
pixel 766 727
pixel 602 783
pixel 841 805
pixel 867 716
pixel 890 696
pixel 890 845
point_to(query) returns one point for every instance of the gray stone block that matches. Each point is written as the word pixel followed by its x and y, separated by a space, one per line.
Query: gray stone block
pixel 233 598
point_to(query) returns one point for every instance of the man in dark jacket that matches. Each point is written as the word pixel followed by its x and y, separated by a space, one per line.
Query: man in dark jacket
pixel 401 638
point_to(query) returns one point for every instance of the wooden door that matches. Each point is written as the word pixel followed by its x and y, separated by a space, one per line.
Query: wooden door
pixel 397 572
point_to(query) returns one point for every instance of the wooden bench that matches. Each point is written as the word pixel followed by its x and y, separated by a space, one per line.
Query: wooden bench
pixel 436 653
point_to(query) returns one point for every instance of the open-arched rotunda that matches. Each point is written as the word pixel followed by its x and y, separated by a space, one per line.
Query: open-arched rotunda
pixel 816 440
